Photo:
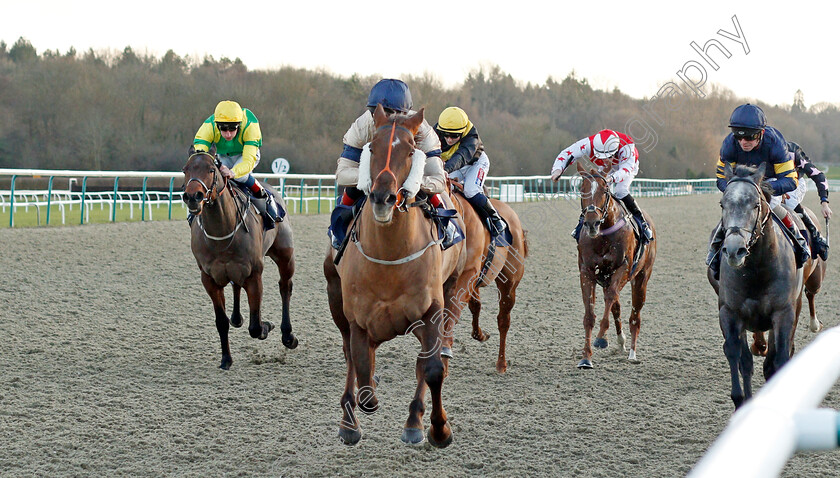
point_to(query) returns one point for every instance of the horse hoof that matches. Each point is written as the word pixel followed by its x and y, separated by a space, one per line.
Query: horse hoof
pixel 446 352
pixel 290 343
pixel 584 364
pixel 412 436
pixel 443 443
pixel 266 328
pixel 349 437
pixel 236 320
pixel 600 343
pixel 480 336
pixel 501 366
pixel 226 363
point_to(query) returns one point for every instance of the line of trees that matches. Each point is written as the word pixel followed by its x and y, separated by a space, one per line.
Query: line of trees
pixel 125 111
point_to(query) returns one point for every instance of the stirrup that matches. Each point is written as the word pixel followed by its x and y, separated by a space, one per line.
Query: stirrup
pixel 448 235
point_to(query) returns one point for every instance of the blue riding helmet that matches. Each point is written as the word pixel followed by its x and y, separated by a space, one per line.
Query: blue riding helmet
pixel 393 94
pixel 748 117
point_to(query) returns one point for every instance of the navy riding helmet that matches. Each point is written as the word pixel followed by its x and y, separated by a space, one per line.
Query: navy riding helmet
pixel 390 93
pixel 748 117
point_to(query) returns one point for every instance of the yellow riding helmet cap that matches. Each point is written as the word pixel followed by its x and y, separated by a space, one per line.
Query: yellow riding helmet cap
pixel 453 120
pixel 228 112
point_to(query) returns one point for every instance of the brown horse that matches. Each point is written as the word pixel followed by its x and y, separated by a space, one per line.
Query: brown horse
pixel 229 244
pixel 486 263
pixel 813 273
pixel 606 253
pixel 392 280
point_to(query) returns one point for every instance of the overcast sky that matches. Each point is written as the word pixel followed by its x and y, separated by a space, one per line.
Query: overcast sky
pixel 635 46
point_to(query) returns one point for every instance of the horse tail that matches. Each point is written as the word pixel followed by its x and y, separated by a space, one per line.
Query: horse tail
pixel 524 243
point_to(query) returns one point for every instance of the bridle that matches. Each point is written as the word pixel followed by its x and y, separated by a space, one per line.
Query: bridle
pixel 758 227
pixel 402 197
pixel 211 194
pixel 591 208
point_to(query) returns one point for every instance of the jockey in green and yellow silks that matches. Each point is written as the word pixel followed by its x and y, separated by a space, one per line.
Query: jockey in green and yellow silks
pixel 236 133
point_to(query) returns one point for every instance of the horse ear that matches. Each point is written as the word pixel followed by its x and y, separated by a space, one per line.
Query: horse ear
pixel 379 116
pixel 192 150
pixel 212 149
pixel 758 175
pixel 414 121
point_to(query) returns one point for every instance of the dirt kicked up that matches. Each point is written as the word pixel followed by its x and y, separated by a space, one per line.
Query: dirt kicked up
pixel 110 365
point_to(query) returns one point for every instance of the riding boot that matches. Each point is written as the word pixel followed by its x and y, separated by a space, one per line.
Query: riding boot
pixel 489 216
pixel 647 234
pixel 804 253
pixel 339 220
pixel 713 258
pixel 820 247
pixel 263 201
pixel 271 207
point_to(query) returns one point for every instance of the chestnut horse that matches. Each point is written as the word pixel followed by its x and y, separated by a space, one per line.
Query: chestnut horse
pixel 760 287
pixel 486 263
pixel 813 273
pixel 392 280
pixel 606 256
pixel 229 243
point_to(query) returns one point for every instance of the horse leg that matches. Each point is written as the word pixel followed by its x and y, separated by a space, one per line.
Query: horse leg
pixel 610 299
pixel 449 316
pixel 286 265
pixel 780 339
pixel 217 295
pixel 619 330
pixel 363 356
pixel 587 287
pixel 507 299
pixel 745 366
pixel 349 430
pixel 814 325
pixel 258 328
pixel 236 319
pixel 759 345
pixel 733 347
pixel 430 372
pixel 639 292
pixel 475 309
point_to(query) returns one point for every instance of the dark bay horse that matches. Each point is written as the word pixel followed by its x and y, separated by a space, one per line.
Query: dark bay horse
pixel 606 257
pixel 392 280
pixel 488 263
pixel 229 244
pixel 813 273
pixel 760 287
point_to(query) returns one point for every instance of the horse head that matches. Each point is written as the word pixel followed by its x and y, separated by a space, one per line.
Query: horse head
pixel 203 183
pixel 391 168
pixel 745 210
pixel 595 199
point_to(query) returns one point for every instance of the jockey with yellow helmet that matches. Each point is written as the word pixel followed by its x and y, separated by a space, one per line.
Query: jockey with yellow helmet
pixel 615 154
pixel 466 161
pixel 395 98
pixel 236 133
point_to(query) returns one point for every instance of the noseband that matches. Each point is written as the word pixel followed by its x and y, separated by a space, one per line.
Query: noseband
pixel 759 224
